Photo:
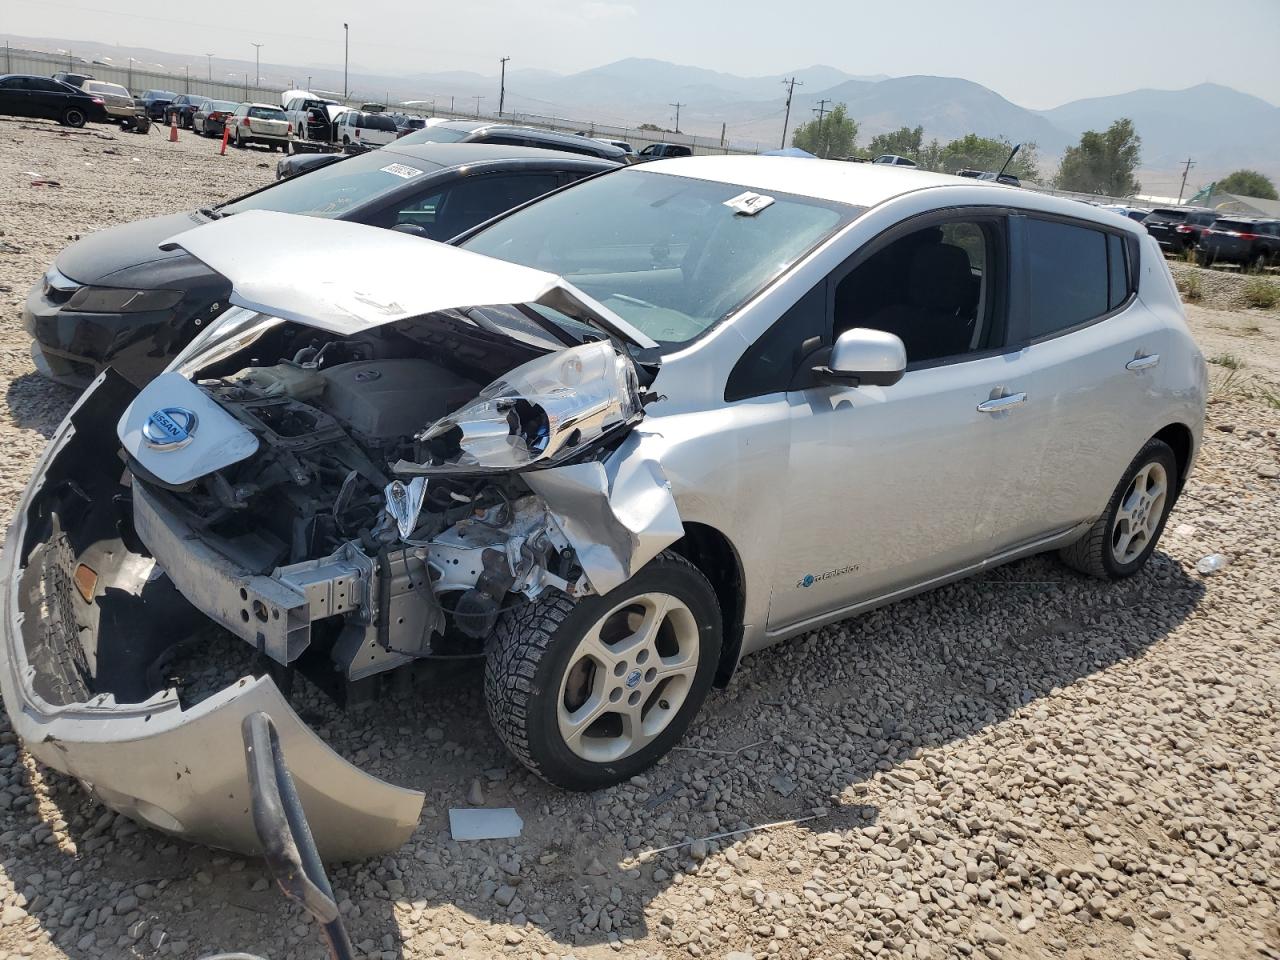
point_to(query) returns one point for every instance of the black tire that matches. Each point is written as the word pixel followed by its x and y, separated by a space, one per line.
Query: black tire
pixel 1093 553
pixel 1255 262
pixel 531 649
pixel 73 117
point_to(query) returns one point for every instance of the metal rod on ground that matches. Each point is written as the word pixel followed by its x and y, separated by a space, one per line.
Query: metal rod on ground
pixel 721 836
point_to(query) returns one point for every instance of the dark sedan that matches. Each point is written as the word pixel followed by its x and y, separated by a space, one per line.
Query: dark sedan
pixel 116 299
pixel 212 117
pixel 155 102
pixel 22 95
pixel 184 107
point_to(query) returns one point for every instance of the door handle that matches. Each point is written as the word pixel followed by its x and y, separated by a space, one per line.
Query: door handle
pixel 1000 404
pixel 1143 363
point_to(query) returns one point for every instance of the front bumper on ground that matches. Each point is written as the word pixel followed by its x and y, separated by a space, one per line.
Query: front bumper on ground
pixel 179 770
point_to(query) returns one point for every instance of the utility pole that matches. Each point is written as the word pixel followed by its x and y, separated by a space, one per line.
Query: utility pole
pixel 786 120
pixel 210 58
pixel 821 111
pixel 478 99
pixel 677 106
pixel 451 98
pixel 1185 170
pixel 187 67
pixel 257 63
pixel 346 56
pixel 502 86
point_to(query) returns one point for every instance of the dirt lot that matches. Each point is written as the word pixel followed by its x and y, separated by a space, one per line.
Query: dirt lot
pixel 1029 765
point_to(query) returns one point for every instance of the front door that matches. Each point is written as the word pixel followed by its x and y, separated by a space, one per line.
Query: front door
pixel 887 484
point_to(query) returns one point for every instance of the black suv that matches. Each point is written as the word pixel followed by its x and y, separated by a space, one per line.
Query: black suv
pixel 1250 242
pixel 1178 229
pixel 184 107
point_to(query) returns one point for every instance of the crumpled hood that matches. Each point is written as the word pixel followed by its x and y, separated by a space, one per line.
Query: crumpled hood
pixel 346 277
pixel 95 257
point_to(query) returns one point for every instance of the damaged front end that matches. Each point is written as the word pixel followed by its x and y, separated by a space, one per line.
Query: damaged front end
pixel 344 496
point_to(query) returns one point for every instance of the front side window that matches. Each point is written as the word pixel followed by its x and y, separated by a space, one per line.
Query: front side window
pixel 934 288
pixel 1069 276
pixel 671 255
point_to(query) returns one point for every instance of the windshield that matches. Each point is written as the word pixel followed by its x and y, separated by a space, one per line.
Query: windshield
pixel 332 190
pixel 1171 215
pixel 670 255
pixel 225 106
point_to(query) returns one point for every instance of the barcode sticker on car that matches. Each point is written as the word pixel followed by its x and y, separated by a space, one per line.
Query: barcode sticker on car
pixel 402 170
pixel 748 203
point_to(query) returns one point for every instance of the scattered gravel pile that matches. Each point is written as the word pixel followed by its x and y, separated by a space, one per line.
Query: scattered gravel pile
pixel 1031 765
pixel 1221 289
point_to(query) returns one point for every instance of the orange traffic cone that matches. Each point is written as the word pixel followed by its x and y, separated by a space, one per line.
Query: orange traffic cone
pixel 226 134
pixel 173 128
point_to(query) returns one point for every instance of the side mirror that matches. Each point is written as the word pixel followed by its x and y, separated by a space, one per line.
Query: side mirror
pixel 413 229
pixel 863 356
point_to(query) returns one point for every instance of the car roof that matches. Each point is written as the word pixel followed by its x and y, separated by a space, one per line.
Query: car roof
pixel 860 184
pixel 459 154
pixel 864 184
pixel 269 106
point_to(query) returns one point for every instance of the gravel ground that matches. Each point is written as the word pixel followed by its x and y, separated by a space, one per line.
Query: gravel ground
pixel 1221 288
pixel 1030 765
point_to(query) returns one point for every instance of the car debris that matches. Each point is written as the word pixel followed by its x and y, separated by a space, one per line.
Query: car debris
pixel 494 823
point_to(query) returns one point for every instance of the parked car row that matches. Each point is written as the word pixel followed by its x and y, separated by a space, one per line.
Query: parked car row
pixel 630 423
pixel 1213 237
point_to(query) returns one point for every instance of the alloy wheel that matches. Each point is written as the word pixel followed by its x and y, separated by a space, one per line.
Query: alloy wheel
pixel 628 677
pixel 1139 513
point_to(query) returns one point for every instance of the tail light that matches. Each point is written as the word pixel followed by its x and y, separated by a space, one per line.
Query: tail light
pixel 244 122
pixel 99 101
pixel 357 133
pixel 289 128
pixel 1183 228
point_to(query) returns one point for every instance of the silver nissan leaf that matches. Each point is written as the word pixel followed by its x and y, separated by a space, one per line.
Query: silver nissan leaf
pixel 610 442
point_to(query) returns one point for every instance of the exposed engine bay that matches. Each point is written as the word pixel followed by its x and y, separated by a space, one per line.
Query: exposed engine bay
pixel 381 514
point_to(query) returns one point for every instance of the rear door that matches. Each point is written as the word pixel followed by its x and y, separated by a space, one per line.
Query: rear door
pixel 15 97
pixel 49 98
pixel 1089 355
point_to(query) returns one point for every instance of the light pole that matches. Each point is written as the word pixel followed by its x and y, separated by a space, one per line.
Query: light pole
pixel 210 57
pixel 346 56
pixel 502 85
pixel 132 61
pixel 478 99
pixel 187 67
pixel 257 64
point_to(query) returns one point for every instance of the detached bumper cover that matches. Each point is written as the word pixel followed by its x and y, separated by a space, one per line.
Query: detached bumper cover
pixel 183 771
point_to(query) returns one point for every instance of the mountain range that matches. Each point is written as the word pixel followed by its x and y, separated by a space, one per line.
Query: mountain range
pixel 1221 129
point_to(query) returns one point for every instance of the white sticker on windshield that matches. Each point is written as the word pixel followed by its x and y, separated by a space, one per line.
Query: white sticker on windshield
pixel 401 170
pixel 749 203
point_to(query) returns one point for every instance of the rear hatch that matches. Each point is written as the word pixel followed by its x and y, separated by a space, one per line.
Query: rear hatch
pixel 1228 237
pixel 1161 223
pixel 268 122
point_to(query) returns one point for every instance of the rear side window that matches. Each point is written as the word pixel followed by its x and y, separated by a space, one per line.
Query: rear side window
pixel 1075 275
pixel 1069 276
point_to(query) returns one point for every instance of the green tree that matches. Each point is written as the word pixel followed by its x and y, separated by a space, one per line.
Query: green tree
pixel 832 136
pixel 904 142
pixel 972 152
pixel 1103 163
pixel 1248 183
pixel 930 157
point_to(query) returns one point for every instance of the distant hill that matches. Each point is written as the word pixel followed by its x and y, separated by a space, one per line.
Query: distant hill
pixel 1212 124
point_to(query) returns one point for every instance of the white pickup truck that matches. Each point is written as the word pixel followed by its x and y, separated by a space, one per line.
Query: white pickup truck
pixel 314 119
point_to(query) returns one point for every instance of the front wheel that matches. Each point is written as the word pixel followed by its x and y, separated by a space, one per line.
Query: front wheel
pixel 73 117
pixel 1122 540
pixel 589 693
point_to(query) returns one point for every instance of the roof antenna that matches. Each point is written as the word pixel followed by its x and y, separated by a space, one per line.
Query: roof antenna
pixel 1012 153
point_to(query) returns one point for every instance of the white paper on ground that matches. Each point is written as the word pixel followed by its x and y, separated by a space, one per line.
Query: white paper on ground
pixel 501 823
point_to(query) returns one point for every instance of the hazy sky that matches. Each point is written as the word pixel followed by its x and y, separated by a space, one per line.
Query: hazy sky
pixel 1034 53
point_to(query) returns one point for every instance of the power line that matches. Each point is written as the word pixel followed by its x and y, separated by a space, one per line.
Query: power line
pixel 677 106
pixel 502 85
pixel 786 120
pixel 1185 170
pixel 820 110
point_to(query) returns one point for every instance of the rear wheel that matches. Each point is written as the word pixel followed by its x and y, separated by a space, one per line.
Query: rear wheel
pixel 73 117
pixel 1255 262
pixel 1122 540
pixel 589 693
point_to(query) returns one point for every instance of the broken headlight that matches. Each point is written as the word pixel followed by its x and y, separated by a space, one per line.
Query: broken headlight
pixel 543 410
